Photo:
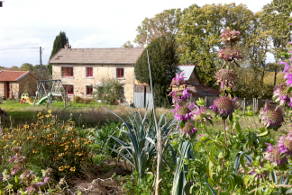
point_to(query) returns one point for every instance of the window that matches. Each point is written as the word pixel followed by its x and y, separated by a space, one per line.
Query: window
pixel 89 90
pixel 69 89
pixel 120 72
pixel 89 72
pixel 67 71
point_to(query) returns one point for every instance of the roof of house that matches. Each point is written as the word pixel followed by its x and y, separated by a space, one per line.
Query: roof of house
pixel 97 56
pixel 10 75
pixel 187 70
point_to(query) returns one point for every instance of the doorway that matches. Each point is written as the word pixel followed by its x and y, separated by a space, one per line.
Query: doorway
pixel 6 90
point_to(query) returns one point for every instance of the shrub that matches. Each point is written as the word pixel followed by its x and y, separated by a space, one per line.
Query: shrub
pixel 48 143
pixel 110 91
pixel 78 99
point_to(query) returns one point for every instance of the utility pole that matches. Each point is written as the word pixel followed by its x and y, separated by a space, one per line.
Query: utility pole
pixel 41 53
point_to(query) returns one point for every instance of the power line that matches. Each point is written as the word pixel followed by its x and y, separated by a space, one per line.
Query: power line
pixel 18 48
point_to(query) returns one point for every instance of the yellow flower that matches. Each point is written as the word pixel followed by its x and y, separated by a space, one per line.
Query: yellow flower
pixel 72 169
pixel 26 126
pixel 66 166
pixel 79 153
pixel 61 168
pixel 61 154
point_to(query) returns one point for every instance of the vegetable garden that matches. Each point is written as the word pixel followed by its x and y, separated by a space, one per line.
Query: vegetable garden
pixel 198 150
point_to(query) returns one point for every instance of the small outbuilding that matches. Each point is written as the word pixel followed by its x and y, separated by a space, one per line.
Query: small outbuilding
pixel 192 81
pixel 14 83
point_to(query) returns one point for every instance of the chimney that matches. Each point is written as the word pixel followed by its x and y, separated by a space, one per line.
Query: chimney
pixel 67 46
pixel 1 3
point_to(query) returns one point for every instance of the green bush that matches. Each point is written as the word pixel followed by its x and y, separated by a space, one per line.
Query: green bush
pixel 110 91
pixel 48 143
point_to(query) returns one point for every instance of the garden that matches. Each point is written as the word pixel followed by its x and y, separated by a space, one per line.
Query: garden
pixel 185 148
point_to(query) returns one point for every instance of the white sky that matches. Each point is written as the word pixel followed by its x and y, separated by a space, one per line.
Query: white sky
pixel 28 24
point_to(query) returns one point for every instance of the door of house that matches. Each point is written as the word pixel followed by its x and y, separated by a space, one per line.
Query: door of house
pixel 6 90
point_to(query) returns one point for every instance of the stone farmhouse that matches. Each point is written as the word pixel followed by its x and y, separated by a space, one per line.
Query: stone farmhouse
pixel 14 83
pixel 81 69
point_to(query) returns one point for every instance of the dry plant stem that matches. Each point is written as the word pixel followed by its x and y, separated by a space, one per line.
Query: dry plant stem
pixel 158 132
pixel 225 129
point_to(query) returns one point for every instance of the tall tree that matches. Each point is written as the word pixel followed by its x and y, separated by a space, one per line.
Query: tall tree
pixel 277 17
pixel 199 35
pixel 163 60
pixel 60 41
pixel 161 24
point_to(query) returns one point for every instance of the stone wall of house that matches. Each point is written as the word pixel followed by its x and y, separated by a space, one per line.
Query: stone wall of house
pixel 100 72
pixel 28 85
pixel 1 89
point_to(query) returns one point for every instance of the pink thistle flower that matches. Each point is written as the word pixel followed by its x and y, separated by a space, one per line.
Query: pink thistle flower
pixel 229 54
pixel 226 78
pixel 229 35
pixel 224 106
pixel 274 155
pixel 271 116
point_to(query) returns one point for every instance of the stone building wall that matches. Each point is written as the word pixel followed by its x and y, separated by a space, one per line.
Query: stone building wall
pixel 1 89
pixel 100 72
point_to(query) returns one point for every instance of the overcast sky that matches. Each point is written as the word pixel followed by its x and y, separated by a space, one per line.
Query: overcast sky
pixel 26 25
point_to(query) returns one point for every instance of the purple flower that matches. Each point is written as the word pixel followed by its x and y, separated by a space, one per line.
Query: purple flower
pixel 271 116
pixel 229 35
pixel 281 94
pixel 226 78
pixel 189 128
pixel 30 190
pixel 285 143
pixel 274 155
pixel 229 54
pixel 183 112
pixel 178 80
pixel 224 106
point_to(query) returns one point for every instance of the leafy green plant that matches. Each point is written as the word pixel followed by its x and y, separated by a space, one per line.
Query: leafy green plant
pixel 110 91
pixel 138 148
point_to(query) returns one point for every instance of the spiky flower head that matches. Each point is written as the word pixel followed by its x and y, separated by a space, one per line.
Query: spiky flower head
pixel 224 106
pixel 229 54
pixel 179 96
pixel 229 35
pixel 287 72
pixel 282 95
pixel 271 116
pixel 189 128
pixel 274 155
pixel 226 78
pixel 285 144
pixel 183 112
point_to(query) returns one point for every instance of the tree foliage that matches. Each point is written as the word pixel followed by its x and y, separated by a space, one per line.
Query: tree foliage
pixel 60 41
pixel 161 24
pixel 163 62
pixel 199 35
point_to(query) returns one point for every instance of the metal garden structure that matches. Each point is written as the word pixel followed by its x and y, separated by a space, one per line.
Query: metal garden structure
pixel 48 89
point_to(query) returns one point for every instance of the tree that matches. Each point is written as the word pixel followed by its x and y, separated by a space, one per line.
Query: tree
pixel 60 41
pixel 199 35
pixel 161 24
pixel 276 17
pixel 163 60
pixel 27 67
pixel 128 44
pixel 41 72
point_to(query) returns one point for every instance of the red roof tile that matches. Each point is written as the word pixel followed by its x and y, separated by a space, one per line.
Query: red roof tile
pixel 7 75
